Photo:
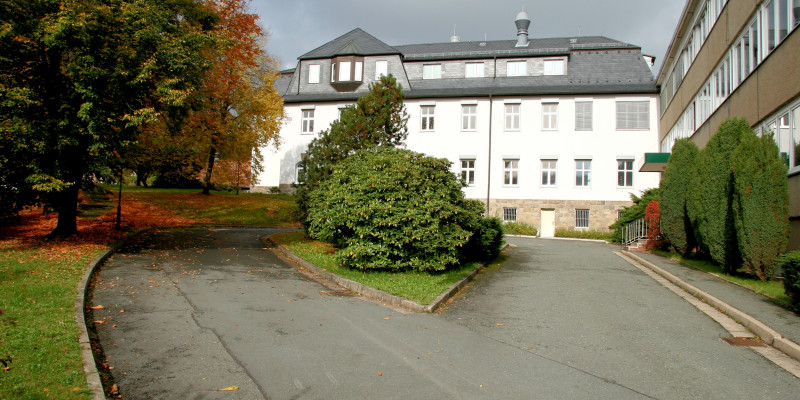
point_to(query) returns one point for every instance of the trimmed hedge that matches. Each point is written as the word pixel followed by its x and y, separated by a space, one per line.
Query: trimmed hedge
pixel 676 187
pixel 790 265
pixel 394 209
pixel 760 203
pixel 711 203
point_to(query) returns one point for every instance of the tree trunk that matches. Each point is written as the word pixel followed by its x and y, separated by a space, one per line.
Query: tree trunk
pixel 66 204
pixel 212 155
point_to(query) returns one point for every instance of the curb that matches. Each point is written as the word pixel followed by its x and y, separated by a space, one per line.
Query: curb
pixel 369 291
pixel 767 334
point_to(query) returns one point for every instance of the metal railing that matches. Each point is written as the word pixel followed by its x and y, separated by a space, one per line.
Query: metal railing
pixel 634 231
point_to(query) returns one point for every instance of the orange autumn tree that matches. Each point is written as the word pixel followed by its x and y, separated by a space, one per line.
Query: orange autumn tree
pixel 236 110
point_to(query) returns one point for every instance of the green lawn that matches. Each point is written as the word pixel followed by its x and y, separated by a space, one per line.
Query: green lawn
pixel 772 289
pixel 37 330
pixel 417 286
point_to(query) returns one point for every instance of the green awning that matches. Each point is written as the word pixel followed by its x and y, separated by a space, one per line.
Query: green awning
pixel 654 162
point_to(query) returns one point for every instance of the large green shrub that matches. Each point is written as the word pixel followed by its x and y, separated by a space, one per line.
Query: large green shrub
pixel 790 265
pixel 711 201
pixel 393 209
pixel 634 212
pixel 378 118
pixel 760 203
pixel 676 186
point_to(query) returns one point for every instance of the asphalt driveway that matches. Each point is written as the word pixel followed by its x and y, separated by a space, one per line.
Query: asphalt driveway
pixel 188 313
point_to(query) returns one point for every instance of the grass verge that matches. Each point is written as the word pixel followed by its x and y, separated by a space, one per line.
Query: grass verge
pixel 421 287
pixel 519 228
pixel 771 289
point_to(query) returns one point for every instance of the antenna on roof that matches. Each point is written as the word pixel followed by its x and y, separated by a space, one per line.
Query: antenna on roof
pixel 455 38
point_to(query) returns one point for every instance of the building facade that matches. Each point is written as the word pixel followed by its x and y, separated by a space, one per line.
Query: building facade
pixel 734 59
pixel 549 132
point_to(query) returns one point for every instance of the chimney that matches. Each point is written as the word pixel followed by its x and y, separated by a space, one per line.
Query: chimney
pixel 455 38
pixel 522 22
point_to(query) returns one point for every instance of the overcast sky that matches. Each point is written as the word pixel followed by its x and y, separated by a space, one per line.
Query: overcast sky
pixel 299 26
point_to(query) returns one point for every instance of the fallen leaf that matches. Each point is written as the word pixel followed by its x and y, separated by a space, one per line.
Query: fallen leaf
pixel 114 388
pixel 500 324
pixel 100 322
pixel 387 318
pixel 121 311
pixel 380 373
pixel 229 389
pixel 97 307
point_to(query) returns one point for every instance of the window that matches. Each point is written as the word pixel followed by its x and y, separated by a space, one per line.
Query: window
pixel 510 172
pixel 581 218
pixel 333 72
pixel 344 71
pixel 469 115
pixel 509 214
pixel 474 70
pixel 795 148
pixel 625 173
pixel 381 69
pixel 308 121
pixel 583 173
pixel 583 115
pixel 512 117
pixel 548 172
pixel 554 67
pixel 516 68
pixel 313 73
pixel 468 172
pixel 550 116
pixel 299 173
pixel 427 118
pixel 432 71
pixel 632 115
pixel 359 71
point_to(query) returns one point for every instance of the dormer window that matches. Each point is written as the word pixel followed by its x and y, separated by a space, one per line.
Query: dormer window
pixel 347 73
pixel 554 67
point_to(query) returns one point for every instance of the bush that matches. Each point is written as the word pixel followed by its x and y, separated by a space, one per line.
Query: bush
pixel 652 217
pixel 711 201
pixel 634 212
pixel 520 228
pixel 393 209
pixel 760 204
pixel 676 187
pixel 585 234
pixel 790 264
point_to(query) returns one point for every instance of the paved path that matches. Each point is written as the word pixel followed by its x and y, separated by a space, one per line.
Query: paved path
pixel 188 313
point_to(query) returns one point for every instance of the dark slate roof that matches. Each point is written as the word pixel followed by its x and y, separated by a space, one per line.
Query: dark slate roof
pixel 355 42
pixel 281 84
pixel 506 48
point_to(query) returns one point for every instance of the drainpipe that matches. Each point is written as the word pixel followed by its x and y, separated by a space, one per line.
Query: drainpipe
pixel 489 163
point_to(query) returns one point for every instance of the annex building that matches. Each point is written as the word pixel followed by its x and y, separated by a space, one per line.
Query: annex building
pixel 550 132
pixel 733 59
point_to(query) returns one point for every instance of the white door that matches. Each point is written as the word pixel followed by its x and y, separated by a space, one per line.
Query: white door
pixel 548 227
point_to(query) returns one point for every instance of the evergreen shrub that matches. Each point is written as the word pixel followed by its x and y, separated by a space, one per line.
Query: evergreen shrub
pixel 676 186
pixel 634 212
pixel 760 204
pixel 393 209
pixel 790 265
pixel 712 196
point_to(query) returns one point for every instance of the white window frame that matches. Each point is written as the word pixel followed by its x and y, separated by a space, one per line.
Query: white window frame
pixel 625 172
pixel 511 172
pixel 549 173
pixel 344 71
pixel 512 117
pixel 582 216
pixel 359 72
pixel 427 118
pixel 554 67
pixel 307 122
pixel 313 73
pixel 509 214
pixel 474 70
pixel 517 68
pixel 584 115
pixel 298 168
pixel 468 171
pixel 469 117
pixel 583 173
pixel 432 71
pixel 381 69
pixel 550 116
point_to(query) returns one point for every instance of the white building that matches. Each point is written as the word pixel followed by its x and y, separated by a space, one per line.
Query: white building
pixel 550 132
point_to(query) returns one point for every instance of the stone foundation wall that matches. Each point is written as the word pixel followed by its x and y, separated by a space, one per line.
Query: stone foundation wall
pixel 601 213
